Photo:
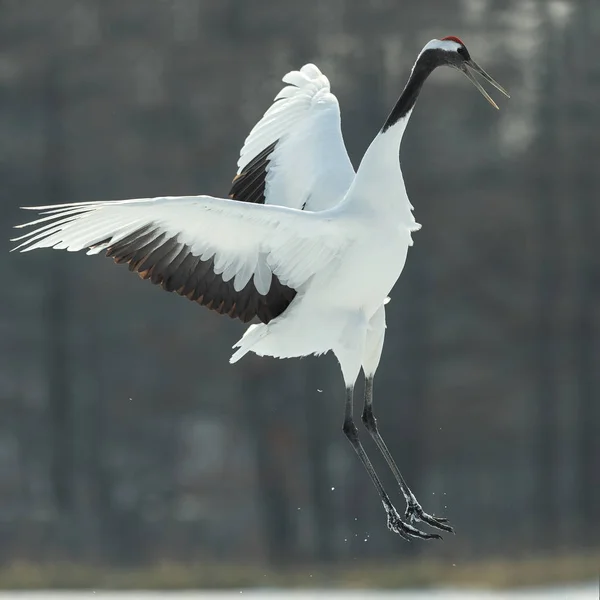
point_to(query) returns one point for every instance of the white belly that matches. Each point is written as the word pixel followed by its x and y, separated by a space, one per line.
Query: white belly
pixel 349 290
pixel 364 275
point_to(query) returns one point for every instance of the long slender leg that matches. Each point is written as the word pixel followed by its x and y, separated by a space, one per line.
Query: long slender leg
pixel 394 521
pixel 414 512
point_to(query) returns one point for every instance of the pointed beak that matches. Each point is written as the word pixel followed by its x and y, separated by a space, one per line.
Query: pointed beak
pixel 469 66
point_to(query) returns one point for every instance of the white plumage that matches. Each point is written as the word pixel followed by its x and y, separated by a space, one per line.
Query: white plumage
pixel 245 239
pixel 304 244
pixel 309 167
pixel 318 251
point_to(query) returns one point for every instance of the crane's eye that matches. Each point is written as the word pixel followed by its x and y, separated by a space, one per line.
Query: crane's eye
pixel 463 52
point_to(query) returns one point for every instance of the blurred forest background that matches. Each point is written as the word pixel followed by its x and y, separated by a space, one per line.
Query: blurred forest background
pixel 126 438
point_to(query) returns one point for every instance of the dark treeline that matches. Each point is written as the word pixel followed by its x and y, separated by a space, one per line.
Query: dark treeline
pixel 125 435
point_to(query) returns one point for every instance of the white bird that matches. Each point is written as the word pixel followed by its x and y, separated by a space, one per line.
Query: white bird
pixel 304 244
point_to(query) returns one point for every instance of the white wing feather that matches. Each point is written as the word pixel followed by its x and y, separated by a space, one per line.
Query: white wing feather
pixel 245 239
pixel 309 167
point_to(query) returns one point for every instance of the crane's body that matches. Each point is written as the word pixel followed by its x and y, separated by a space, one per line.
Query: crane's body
pixel 334 310
pixel 304 243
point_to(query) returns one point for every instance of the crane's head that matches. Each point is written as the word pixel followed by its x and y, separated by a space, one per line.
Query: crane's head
pixel 451 52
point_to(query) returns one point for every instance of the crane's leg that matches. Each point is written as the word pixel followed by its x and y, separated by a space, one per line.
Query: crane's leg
pixel 372 354
pixel 394 521
pixel 414 512
pixel 349 353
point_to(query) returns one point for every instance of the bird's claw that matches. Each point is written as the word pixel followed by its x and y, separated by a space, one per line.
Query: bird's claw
pixel 414 513
pixel 404 529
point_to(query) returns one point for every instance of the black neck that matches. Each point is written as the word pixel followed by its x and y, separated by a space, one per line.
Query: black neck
pixel 423 68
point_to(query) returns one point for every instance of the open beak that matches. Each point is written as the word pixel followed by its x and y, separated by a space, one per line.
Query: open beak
pixel 469 66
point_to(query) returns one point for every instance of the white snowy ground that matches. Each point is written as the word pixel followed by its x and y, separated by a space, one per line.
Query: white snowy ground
pixel 582 592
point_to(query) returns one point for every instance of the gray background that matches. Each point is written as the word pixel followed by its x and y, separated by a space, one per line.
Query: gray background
pixel 127 439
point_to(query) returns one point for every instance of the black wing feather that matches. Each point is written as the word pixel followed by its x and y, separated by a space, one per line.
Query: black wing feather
pixel 171 264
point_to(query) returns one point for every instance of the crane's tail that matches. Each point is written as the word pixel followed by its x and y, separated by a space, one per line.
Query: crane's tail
pixel 253 335
pixel 290 337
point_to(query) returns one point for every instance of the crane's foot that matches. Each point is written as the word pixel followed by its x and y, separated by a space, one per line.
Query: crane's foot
pixel 414 513
pixel 405 529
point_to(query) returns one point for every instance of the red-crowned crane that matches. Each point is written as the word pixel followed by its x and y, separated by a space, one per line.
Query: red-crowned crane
pixel 305 244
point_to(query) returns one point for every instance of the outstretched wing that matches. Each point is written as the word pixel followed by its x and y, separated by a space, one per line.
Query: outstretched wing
pixel 220 253
pixel 295 155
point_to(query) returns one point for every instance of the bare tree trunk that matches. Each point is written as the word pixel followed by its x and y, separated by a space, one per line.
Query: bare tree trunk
pixel 263 392
pixel 56 315
pixel 586 351
pixel 318 435
pixel 548 290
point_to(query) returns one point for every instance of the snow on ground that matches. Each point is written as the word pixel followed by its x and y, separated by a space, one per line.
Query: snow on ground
pixel 583 592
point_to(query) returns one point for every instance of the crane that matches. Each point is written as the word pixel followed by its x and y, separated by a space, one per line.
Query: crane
pixel 304 243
